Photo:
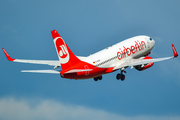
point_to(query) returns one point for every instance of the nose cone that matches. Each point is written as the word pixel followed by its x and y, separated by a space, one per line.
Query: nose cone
pixel 152 43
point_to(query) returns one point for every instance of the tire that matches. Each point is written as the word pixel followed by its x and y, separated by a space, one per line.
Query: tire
pixel 122 77
pixel 118 76
pixel 96 79
pixel 100 77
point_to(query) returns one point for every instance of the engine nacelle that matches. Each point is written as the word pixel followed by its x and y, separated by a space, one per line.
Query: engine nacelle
pixel 145 66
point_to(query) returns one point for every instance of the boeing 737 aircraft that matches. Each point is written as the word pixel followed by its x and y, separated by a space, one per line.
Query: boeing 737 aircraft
pixel 132 52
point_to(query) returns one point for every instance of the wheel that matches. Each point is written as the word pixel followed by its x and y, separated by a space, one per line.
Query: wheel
pixel 122 77
pixel 96 79
pixel 100 77
pixel 118 76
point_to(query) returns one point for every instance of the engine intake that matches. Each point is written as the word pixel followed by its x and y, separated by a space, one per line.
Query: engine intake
pixel 145 66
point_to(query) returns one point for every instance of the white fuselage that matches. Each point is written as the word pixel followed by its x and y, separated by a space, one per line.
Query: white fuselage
pixel 134 47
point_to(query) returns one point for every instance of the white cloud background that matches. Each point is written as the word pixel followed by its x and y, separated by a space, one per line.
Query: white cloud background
pixel 34 109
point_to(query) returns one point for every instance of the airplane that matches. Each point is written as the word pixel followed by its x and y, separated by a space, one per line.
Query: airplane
pixel 132 52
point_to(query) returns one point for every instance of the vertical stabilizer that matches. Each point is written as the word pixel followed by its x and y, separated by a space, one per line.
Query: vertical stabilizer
pixel 66 56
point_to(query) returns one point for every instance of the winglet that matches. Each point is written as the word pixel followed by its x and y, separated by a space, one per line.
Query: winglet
pixel 7 55
pixel 174 51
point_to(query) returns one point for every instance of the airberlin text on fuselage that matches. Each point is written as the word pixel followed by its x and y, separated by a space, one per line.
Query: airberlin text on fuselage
pixel 132 50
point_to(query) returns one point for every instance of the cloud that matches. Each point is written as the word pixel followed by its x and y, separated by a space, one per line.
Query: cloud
pixel 35 109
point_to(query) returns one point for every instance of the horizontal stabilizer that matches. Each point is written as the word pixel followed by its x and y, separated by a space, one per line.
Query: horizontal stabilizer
pixel 43 71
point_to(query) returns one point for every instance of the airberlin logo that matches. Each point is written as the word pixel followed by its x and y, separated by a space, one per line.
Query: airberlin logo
pixel 131 50
pixel 62 50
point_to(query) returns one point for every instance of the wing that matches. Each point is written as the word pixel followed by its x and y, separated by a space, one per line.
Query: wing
pixel 45 62
pixel 81 57
pixel 141 61
pixel 55 63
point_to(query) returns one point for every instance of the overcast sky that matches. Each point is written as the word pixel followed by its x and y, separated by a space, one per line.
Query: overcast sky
pixel 87 27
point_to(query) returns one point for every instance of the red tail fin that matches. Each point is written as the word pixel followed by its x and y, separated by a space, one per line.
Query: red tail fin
pixel 66 56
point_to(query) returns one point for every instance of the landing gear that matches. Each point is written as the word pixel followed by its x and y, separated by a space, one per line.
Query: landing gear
pixel 121 75
pixel 98 78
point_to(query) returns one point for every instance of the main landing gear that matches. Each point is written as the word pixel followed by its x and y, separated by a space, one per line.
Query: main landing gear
pixel 98 78
pixel 121 75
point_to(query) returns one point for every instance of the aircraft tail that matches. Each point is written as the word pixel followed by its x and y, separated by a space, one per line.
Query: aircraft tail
pixel 66 56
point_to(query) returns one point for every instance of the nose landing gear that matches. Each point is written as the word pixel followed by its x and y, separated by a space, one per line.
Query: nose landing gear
pixel 121 75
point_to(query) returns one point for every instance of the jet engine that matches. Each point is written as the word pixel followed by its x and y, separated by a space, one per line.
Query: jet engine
pixel 144 66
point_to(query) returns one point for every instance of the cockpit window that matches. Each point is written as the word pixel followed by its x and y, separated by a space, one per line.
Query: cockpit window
pixel 150 38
